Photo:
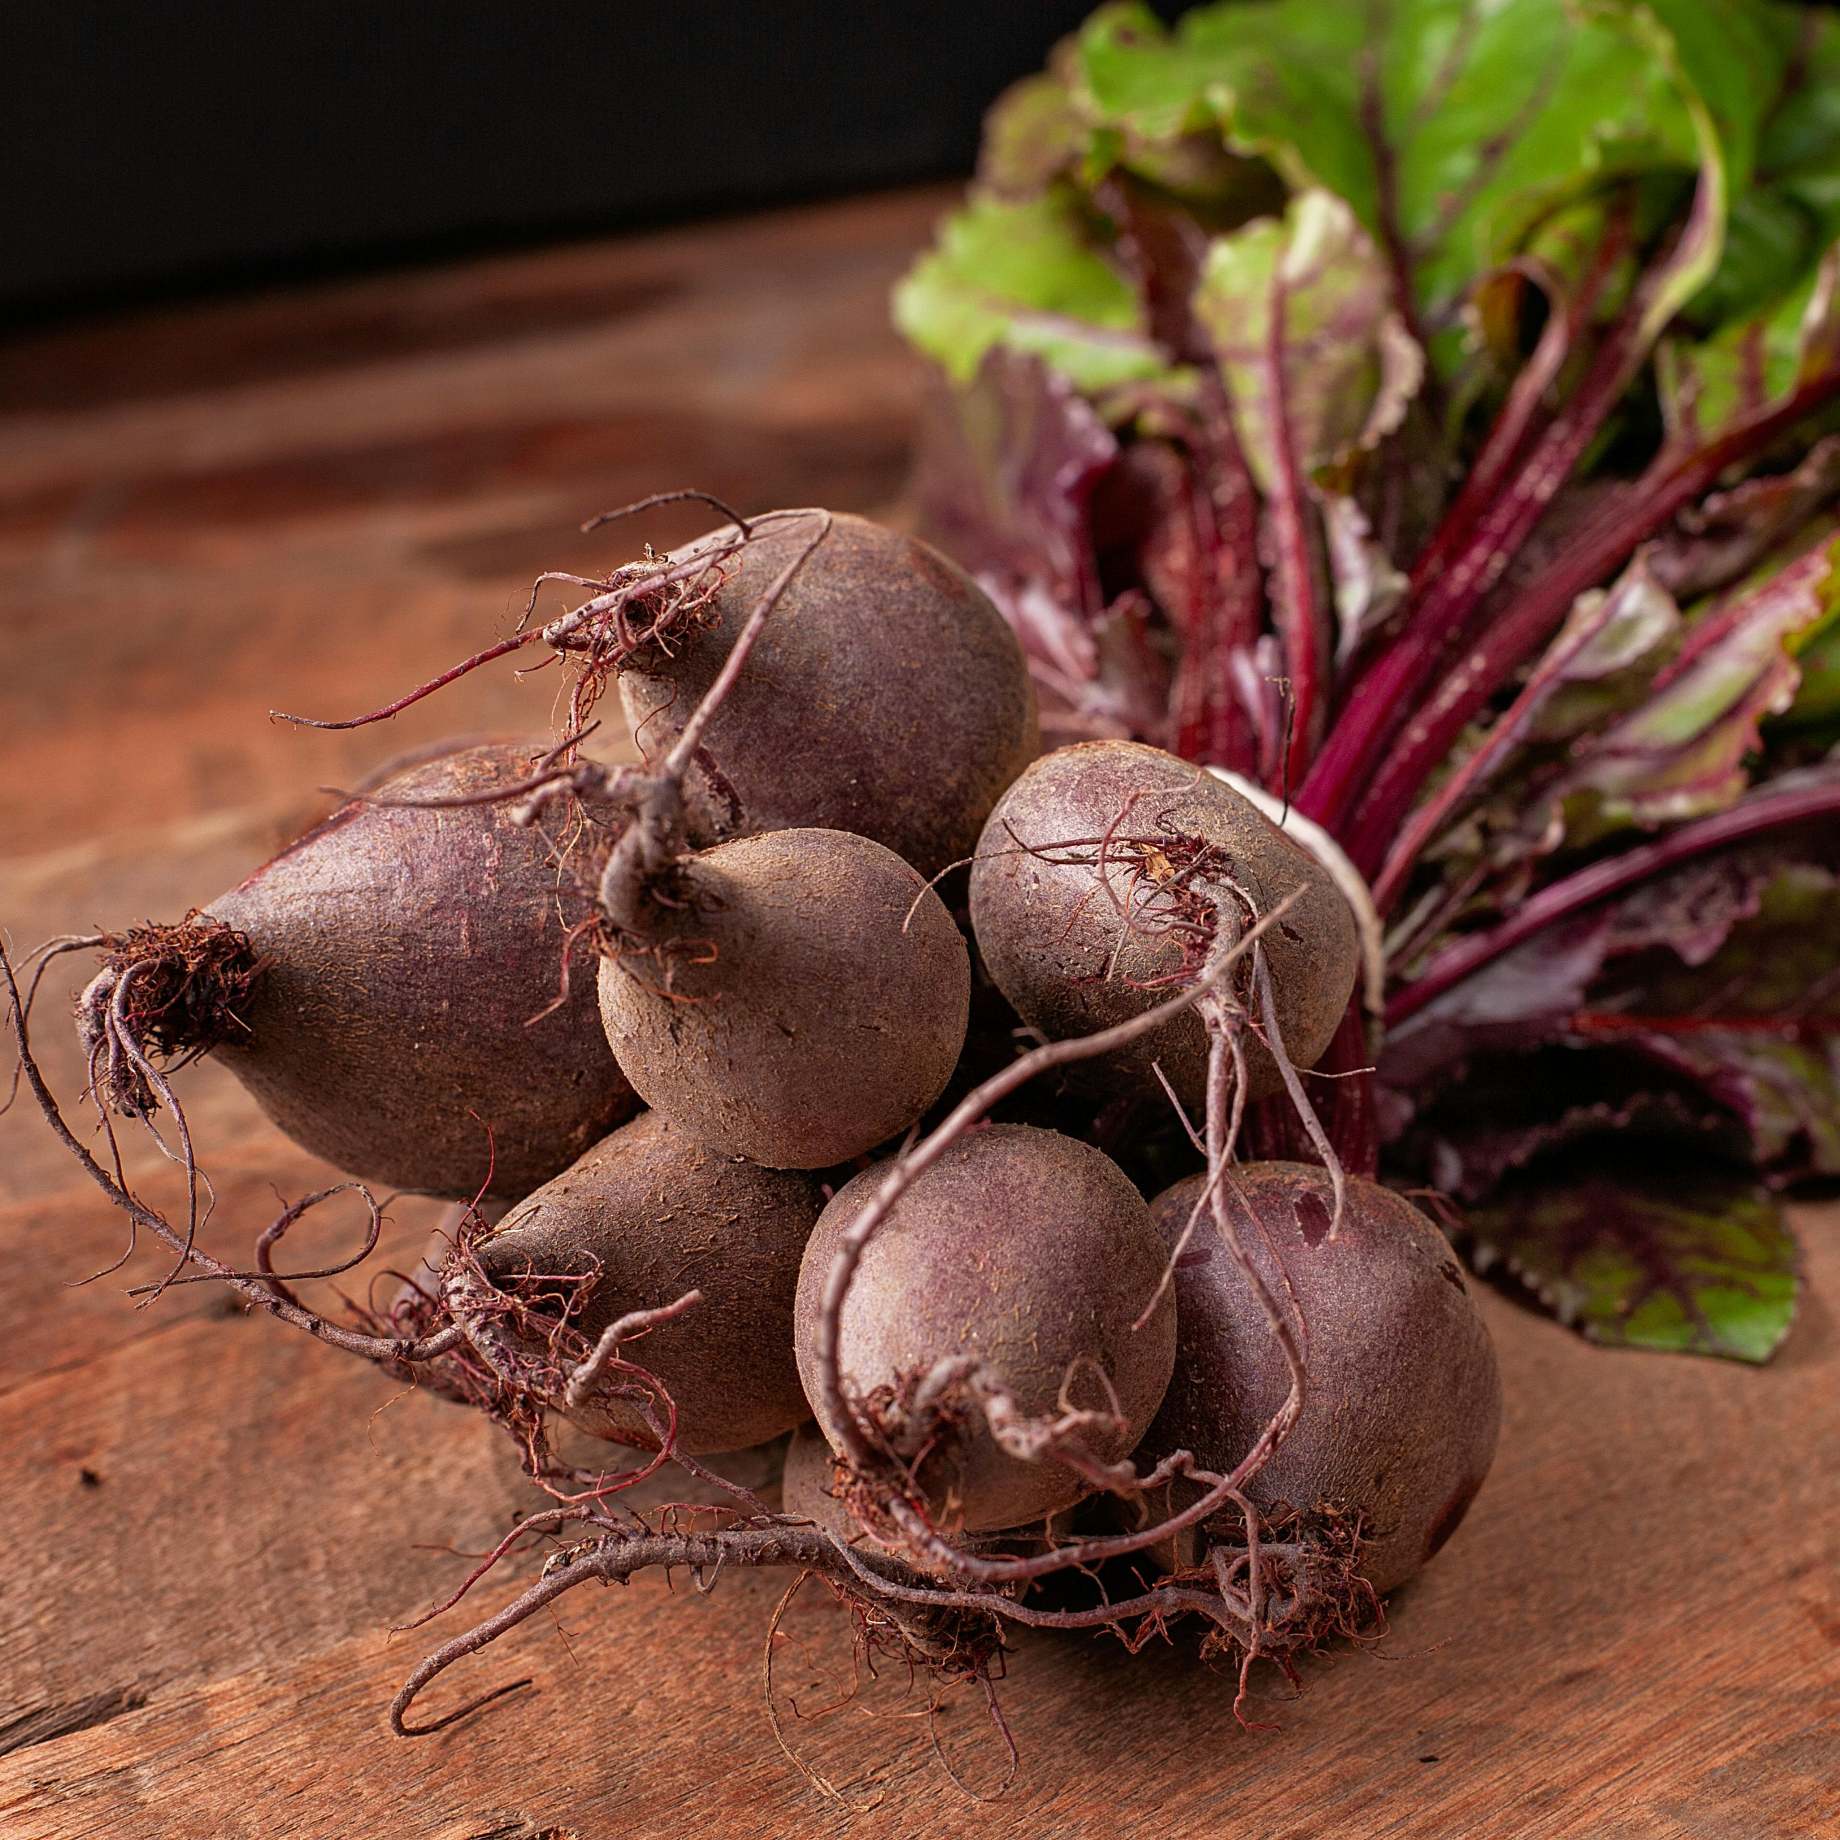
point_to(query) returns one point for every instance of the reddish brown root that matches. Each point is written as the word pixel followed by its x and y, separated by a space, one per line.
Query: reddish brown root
pixel 657 619
pixel 263 1290
pixel 1302 1579
pixel 938 1638
pixel 526 1355
pixel 40 960
pixel 522 1341
pixel 907 1422
pixel 653 500
pixel 1272 1591
pixel 513 1347
pixel 173 992
pixel 651 602
pixel 1163 883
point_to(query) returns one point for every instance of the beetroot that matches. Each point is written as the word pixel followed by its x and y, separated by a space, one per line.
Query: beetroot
pixel 887 695
pixel 809 1492
pixel 652 1214
pixel 808 1485
pixel 1075 950
pixel 1400 1419
pixel 1003 1285
pixel 387 988
pixel 797 998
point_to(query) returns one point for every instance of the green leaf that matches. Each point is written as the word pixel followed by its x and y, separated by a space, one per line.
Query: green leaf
pixel 1798 156
pixel 1694 1261
pixel 1727 60
pixel 1684 750
pixel 1818 699
pixel 1454 129
pixel 1603 658
pixel 1021 274
pixel 1771 243
pixel 1142 81
pixel 1769 313
pixel 1034 134
pixel 1748 367
pixel 1318 366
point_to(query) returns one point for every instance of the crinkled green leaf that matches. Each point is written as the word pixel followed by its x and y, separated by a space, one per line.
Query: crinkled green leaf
pixel 1683 751
pixel 1798 156
pixel 1771 305
pixel 1317 363
pixel 1748 367
pixel 1818 698
pixel 1168 132
pixel 1022 274
pixel 1140 79
pixel 1034 133
pixel 1461 135
pixel 1603 657
pixel 1779 227
pixel 1685 1260
pixel 1451 128
pixel 1600 665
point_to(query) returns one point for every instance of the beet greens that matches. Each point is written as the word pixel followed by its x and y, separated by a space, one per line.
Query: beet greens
pixel 1430 413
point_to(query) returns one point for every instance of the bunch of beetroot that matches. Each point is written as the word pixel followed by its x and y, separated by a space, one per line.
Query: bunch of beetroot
pixel 811 1076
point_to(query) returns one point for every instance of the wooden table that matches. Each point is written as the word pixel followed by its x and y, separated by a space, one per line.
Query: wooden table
pixel 212 1522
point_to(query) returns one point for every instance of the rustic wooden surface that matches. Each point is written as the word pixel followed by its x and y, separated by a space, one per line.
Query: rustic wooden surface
pixel 211 1522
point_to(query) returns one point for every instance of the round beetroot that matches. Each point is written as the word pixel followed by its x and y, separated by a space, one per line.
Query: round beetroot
pixel 886 695
pixel 656 1214
pixel 1027 1250
pixel 1403 1405
pixel 799 998
pixel 1058 945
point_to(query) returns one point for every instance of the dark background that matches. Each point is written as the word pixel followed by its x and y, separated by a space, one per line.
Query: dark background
pixel 158 147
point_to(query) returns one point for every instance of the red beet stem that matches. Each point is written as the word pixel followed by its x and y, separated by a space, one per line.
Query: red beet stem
pixel 1384 702
pixel 1531 621
pixel 1764 812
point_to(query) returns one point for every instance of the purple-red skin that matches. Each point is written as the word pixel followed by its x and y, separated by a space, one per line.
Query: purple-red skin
pixel 406 956
pixel 805 1485
pixel 1029 1250
pixel 659 1214
pixel 1051 936
pixel 817 1000
pixel 1403 1407
pixel 885 696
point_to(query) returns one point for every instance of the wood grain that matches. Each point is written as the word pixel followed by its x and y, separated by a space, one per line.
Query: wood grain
pixel 309 501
